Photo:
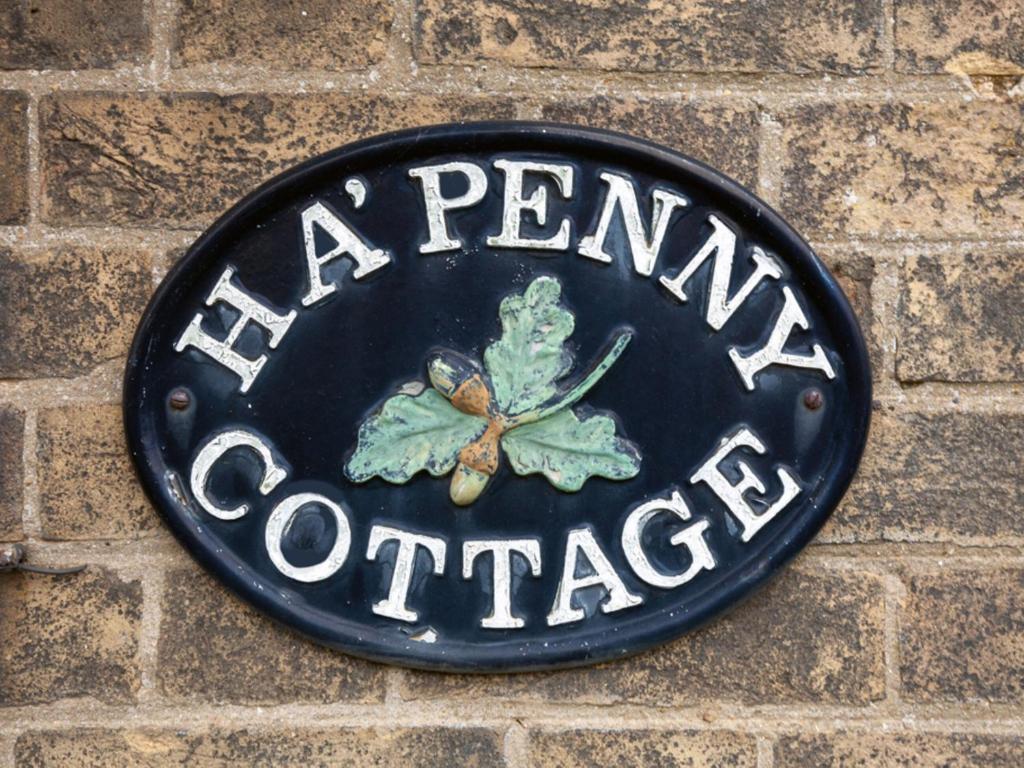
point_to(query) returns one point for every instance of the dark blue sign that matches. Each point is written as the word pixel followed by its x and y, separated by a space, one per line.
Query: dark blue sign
pixel 497 396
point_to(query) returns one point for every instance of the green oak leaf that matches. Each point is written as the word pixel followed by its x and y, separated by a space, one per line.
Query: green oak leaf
pixel 531 355
pixel 569 450
pixel 409 434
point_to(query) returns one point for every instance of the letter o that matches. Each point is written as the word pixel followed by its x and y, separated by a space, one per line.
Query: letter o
pixel 280 521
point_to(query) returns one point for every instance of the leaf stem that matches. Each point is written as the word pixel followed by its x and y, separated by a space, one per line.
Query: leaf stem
pixel 577 391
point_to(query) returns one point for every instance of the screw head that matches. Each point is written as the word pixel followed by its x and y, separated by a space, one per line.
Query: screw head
pixel 813 399
pixel 180 399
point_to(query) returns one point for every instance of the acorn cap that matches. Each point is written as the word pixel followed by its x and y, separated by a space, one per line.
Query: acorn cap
pixel 449 370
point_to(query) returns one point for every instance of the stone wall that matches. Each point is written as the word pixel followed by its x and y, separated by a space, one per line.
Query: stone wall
pixel 890 132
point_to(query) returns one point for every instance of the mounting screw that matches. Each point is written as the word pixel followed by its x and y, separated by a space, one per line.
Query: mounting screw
pixel 180 399
pixel 813 399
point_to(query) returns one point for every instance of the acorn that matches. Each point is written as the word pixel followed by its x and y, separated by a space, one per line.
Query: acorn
pixel 458 378
pixel 461 380
pixel 467 485
pixel 448 369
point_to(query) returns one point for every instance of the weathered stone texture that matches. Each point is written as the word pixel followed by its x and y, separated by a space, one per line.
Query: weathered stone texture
pixel 599 749
pixel 88 488
pixel 935 477
pixel 723 135
pixel 962 637
pixel 71 34
pixel 14 151
pixel 64 311
pixel 936 162
pixel 182 159
pixel 292 748
pixel 316 34
pixel 245 657
pixel 900 750
pixel 69 637
pixel 805 638
pixel 697 35
pixel 961 318
pixel 963 36
pixel 12 431
pixel 931 169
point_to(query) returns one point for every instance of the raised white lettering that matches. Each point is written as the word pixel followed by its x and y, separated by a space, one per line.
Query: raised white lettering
pixel 722 243
pixel 515 204
pixel 437 205
pixel 211 452
pixel 581 540
pixel 692 537
pixel 280 521
pixel 732 495
pixel 771 353
pixel 394 606
pixel 501 551
pixel 250 311
pixel 622 194
pixel 367 258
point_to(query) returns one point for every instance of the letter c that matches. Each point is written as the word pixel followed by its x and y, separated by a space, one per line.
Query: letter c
pixel 213 450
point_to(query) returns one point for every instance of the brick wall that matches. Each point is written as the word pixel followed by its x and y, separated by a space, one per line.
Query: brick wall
pixel 891 132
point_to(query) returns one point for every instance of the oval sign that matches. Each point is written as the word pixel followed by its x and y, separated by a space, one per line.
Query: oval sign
pixel 497 396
